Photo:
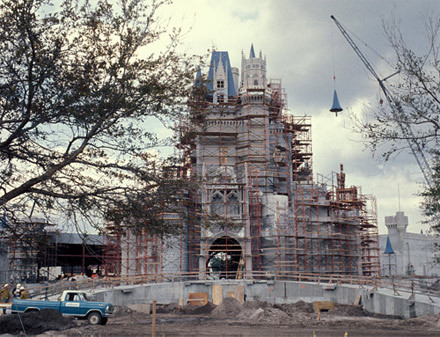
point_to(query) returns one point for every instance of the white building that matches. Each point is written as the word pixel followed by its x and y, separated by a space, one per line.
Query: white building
pixel 414 254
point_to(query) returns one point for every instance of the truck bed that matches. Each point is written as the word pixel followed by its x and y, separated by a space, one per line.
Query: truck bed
pixel 22 305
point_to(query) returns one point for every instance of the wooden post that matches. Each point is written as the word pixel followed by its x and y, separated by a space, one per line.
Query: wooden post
pixel 153 324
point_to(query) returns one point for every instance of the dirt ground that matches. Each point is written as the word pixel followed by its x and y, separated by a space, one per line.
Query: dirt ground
pixel 256 319
pixel 35 322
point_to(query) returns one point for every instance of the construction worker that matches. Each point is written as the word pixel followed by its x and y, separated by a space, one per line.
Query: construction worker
pixel 16 291
pixel 23 293
pixel 6 296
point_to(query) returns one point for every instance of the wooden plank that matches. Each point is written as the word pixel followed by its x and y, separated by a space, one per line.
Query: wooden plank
pixel 153 323
pixel 357 300
pixel 217 294
pixel 239 293
pixel 318 306
pixel 198 298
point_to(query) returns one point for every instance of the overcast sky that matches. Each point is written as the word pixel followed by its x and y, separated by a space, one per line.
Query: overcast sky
pixel 299 40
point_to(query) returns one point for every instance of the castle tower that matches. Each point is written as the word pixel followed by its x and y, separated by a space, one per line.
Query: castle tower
pixel 222 78
pixel 253 70
pixel 396 229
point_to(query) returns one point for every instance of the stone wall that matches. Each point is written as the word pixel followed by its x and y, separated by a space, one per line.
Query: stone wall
pixel 382 301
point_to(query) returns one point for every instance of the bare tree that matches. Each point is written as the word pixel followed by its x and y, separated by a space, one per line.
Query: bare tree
pixel 80 87
pixel 416 100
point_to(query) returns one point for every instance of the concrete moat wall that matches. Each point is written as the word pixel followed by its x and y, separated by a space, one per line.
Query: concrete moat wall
pixel 382 301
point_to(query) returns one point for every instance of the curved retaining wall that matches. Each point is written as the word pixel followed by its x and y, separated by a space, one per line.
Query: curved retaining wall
pixel 383 301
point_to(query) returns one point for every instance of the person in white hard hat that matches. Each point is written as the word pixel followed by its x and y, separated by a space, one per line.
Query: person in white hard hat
pixel 5 295
pixel 23 293
pixel 16 290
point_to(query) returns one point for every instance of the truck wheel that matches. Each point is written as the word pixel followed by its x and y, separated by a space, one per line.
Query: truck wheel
pixel 94 318
pixel 104 320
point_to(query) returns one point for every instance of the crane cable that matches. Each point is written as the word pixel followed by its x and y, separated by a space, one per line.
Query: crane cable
pixel 367 45
pixel 333 58
pixel 371 49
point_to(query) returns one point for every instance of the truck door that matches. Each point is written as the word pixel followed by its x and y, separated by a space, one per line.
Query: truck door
pixel 71 304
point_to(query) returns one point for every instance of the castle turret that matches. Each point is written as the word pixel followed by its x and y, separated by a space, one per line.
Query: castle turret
pixel 253 70
pixel 396 229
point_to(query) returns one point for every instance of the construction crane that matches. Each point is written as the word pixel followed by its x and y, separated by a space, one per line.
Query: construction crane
pixel 396 110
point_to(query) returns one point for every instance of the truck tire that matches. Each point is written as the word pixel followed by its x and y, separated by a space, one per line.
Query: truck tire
pixel 94 318
pixel 31 310
pixel 104 320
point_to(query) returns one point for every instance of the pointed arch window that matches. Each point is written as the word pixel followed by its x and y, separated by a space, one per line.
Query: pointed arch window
pixel 233 205
pixel 217 203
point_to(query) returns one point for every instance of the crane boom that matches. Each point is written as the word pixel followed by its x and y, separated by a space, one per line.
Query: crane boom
pixel 396 110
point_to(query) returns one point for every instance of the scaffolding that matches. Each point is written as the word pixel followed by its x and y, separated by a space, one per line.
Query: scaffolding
pixel 23 249
pixel 267 215
pixel 34 251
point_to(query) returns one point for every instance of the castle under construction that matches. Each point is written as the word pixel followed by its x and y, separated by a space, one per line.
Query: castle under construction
pixel 253 164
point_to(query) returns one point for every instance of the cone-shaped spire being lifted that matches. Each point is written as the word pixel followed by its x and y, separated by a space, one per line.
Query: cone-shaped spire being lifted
pixel 252 53
pixel 336 107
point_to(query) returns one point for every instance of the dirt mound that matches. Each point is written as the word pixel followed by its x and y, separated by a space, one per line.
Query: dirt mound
pixel 295 308
pixel 171 308
pixel 229 308
pixel 274 316
pixel 268 314
pixel 255 305
pixel 35 322
pixel 199 310
pixel 347 310
pixel 121 310
pixel 426 322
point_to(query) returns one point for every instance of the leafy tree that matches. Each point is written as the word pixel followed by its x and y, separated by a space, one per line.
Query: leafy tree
pixel 81 85
pixel 416 98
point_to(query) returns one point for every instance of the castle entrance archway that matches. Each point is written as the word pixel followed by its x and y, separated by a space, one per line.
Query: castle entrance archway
pixel 224 258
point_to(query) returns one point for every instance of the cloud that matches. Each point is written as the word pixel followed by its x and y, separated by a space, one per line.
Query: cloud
pixel 304 48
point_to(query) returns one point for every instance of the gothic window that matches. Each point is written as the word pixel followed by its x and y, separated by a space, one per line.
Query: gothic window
pixel 255 82
pixel 221 204
pixel 217 204
pixel 220 84
pixel 233 204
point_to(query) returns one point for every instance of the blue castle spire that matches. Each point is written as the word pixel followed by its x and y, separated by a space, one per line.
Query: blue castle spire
pixel 252 53
pixel 389 248
pixel 216 57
